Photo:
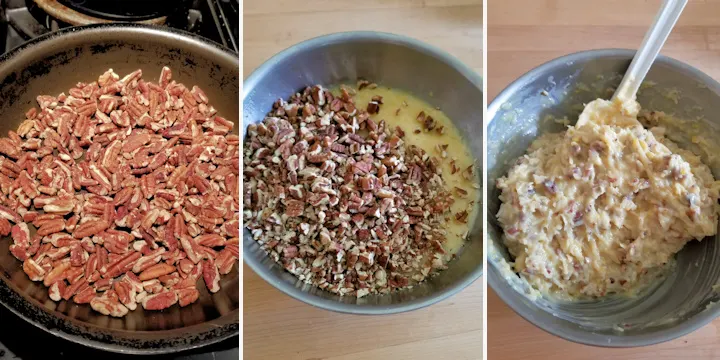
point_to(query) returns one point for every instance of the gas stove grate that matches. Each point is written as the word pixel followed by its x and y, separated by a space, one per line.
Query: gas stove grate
pixel 127 10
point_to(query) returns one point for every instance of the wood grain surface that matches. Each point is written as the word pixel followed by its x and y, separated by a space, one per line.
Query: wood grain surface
pixel 273 25
pixel 276 326
pixel 523 34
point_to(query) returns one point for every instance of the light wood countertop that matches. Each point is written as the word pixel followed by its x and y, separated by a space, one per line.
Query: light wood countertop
pixel 279 327
pixel 523 34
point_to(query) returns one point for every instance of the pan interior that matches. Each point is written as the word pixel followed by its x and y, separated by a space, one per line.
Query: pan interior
pixel 52 65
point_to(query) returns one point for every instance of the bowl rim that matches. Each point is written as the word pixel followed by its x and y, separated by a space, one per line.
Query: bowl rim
pixel 511 298
pixel 355 36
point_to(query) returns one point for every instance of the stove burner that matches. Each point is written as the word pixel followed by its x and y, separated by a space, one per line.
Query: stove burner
pixel 57 9
pixel 125 10
pixel 213 19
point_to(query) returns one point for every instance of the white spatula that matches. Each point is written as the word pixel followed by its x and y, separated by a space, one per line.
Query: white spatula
pixel 649 49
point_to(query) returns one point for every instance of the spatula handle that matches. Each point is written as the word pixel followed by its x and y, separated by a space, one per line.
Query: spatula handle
pixel 652 43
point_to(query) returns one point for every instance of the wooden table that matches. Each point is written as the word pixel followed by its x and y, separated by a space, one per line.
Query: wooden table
pixel 524 34
pixel 276 326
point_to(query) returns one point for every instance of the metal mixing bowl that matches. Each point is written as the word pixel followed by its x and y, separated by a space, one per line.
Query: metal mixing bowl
pixel 397 62
pixel 676 306
pixel 54 63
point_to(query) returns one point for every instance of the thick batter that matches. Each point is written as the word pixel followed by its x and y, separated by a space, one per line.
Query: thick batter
pixel 589 211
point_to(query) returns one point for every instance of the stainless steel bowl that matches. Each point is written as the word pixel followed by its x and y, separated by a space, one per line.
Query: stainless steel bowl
pixel 685 300
pixel 397 62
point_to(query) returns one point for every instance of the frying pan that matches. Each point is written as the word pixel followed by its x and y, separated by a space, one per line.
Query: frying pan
pixel 52 64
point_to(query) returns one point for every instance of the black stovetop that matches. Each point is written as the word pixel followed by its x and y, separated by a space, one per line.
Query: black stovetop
pixel 217 20
pixel 124 10
pixel 20 21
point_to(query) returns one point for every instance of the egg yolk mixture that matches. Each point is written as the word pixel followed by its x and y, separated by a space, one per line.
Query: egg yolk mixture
pixel 442 140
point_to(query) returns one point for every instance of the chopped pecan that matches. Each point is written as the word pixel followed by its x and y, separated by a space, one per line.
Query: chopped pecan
pixel 373 107
pixel 340 194
pixel 294 208
pixel 461 216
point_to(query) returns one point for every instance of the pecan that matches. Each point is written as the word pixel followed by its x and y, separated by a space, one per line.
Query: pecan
pixel 85 294
pixel 429 123
pixel 156 271
pixel 210 240
pixel 461 216
pixel 72 289
pixel 318 199
pixel 78 256
pixel 5 227
pixel 9 214
pixel 102 285
pixel 126 293
pixel 362 84
pixel 152 286
pixel 34 271
pixel 191 249
pixel 469 173
pixel 117 267
pixel 148 260
pixel 415 211
pixel 159 301
pixel 373 107
pixel 9 149
pixel 51 227
pixel 363 234
pixel 550 186
pixel 56 274
pixel 108 306
pixel 461 192
pixel 185 266
pixel 225 261
pixel 21 235
pixel 453 167
pixel 366 183
pixel 211 275
pixel 187 296
pixel 362 167
pixel 56 290
pixel 294 208
pixel 90 228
